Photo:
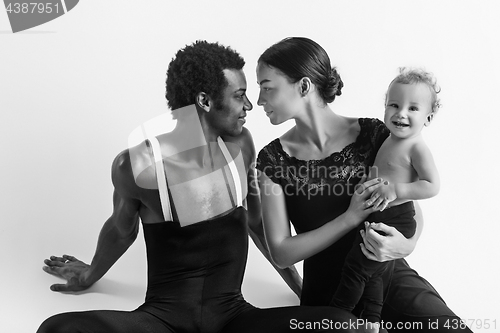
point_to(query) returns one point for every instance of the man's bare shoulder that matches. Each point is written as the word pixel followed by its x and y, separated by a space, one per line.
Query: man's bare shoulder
pixel 128 166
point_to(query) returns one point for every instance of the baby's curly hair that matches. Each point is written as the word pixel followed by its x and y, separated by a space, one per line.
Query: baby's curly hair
pixel 199 68
pixel 417 75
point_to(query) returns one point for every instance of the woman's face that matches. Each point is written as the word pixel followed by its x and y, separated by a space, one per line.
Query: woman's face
pixel 280 98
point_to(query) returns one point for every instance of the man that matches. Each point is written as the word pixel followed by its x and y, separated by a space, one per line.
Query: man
pixel 194 191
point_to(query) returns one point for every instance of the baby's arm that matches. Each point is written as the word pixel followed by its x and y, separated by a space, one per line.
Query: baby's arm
pixel 427 184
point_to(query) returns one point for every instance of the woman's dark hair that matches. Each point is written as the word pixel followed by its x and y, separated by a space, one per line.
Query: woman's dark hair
pixel 299 57
pixel 199 68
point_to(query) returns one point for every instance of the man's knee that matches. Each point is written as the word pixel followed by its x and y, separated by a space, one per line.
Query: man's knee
pixel 57 324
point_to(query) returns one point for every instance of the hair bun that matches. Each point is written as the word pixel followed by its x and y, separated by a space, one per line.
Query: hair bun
pixel 336 82
pixel 333 87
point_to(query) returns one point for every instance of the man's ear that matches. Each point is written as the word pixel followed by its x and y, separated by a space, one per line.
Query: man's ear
pixel 428 121
pixel 203 101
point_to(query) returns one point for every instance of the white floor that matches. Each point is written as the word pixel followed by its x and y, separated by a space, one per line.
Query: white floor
pixel 25 298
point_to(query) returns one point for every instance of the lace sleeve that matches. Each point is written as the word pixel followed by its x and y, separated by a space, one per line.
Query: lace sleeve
pixel 378 133
pixel 268 162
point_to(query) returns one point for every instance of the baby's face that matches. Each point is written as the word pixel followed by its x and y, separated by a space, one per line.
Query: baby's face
pixel 408 109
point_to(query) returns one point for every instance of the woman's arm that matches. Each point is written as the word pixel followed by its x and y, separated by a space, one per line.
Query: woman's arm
pixel 255 228
pixel 286 249
pixel 256 232
pixel 392 246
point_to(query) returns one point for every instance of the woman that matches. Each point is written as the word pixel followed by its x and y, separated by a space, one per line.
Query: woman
pixel 308 176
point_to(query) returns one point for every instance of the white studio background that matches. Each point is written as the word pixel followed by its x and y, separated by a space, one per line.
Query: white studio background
pixel 73 89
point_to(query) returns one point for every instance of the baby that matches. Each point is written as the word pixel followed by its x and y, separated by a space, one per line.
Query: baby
pixel 405 163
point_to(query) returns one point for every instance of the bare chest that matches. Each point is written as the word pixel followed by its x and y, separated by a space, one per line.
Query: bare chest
pixel 393 163
pixel 198 191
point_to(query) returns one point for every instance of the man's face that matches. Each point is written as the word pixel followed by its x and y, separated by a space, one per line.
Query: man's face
pixel 230 118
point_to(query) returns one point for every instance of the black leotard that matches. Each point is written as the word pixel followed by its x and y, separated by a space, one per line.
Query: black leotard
pixel 194 285
pixel 196 272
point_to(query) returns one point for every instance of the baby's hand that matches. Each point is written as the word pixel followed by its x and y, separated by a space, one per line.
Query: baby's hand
pixel 386 192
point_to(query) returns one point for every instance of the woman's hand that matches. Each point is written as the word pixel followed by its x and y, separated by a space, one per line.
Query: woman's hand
pixel 387 193
pixel 384 248
pixel 69 268
pixel 364 201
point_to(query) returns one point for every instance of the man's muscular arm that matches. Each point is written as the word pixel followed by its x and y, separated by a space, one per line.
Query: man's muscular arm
pixel 116 236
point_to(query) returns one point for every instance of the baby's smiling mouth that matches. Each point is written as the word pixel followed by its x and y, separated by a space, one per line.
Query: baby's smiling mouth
pixel 400 124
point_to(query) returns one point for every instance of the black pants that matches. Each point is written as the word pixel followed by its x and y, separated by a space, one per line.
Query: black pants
pixel 272 320
pixel 361 277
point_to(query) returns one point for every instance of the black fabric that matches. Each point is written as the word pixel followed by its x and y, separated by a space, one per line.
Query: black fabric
pixel 318 191
pixel 194 285
pixel 196 271
pixel 361 277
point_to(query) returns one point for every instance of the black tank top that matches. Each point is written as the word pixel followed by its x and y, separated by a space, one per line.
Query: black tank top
pixel 195 272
